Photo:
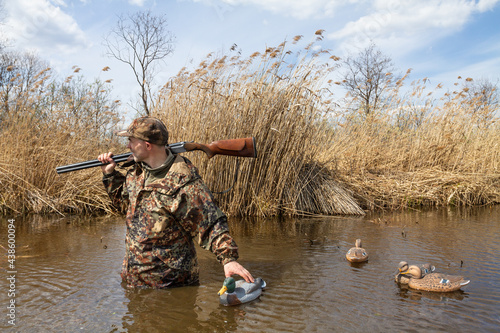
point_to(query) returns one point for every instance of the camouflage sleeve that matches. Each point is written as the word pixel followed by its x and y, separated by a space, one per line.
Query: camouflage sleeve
pixel 201 217
pixel 114 184
pixel 216 238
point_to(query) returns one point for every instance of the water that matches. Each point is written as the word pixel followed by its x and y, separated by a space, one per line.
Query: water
pixel 67 277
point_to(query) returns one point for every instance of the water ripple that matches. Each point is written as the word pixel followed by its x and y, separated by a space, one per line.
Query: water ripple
pixel 70 280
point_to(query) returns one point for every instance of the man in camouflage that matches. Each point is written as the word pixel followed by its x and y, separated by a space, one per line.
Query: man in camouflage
pixel 167 206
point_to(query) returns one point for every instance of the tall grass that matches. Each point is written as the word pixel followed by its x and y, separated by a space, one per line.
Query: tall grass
pixel 415 150
pixel 315 156
pixel 51 123
pixel 423 152
pixel 277 97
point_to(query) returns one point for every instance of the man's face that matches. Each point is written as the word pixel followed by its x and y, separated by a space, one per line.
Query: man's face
pixel 138 148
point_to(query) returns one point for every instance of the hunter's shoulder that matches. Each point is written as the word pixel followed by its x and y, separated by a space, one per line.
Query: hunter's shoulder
pixel 181 165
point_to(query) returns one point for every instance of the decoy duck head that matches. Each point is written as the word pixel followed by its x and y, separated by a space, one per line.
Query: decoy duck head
pixel 403 266
pixel 358 243
pixel 412 270
pixel 229 285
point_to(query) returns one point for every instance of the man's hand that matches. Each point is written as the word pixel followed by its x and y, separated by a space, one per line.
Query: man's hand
pixel 106 158
pixel 234 268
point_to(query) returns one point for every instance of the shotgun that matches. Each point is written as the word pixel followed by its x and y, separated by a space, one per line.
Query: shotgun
pixel 233 147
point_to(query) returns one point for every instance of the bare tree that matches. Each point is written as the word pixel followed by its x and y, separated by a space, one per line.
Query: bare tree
pixel 483 93
pixel 21 74
pixel 141 40
pixel 481 98
pixel 367 77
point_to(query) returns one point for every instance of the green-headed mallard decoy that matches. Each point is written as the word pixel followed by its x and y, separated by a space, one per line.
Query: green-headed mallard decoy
pixel 357 254
pixel 437 282
pixel 403 266
pixel 238 292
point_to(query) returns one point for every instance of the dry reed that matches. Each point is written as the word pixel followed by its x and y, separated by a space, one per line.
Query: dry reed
pixel 48 125
pixel 314 157
pixel 434 153
pixel 276 97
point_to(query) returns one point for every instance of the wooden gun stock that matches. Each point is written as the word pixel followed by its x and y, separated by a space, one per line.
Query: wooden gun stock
pixel 232 147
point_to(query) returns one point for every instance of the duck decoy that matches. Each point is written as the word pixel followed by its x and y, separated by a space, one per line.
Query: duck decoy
pixel 238 292
pixel 437 282
pixel 357 253
pixel 403 266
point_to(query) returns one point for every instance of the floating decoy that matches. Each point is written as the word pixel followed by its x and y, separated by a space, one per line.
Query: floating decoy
pixel 437 282
pixel 238 292
pixel 403 266
pixel 357 254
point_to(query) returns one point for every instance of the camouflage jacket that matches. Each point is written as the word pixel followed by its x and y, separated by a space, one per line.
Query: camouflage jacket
pixel 163 219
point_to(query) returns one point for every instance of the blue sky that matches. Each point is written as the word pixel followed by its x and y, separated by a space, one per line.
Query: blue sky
pixel 440 40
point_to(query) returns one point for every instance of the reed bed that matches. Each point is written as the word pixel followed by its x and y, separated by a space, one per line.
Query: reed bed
pixel 316 154
pixel 48 125
pixel 277 97
pixel 446 152
pixel 416 150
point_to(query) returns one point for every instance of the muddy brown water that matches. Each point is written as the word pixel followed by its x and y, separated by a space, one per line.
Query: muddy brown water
pixel 67 277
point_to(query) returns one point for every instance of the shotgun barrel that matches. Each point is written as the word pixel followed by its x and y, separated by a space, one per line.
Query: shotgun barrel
pixel 90 164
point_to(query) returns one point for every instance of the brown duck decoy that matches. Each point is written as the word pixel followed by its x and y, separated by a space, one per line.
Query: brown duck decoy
pixel 403 266
pixel 357 253
pixel 437 282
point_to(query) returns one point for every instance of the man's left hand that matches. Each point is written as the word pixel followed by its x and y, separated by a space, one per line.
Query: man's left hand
pixel 234 268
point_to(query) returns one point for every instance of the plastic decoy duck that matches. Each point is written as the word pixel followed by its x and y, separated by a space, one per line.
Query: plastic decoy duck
pixel 357 254
pixel 437 282
pixel 239 292
pixel 403 266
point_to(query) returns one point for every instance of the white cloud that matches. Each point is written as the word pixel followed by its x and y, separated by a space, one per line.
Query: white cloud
pixel 42 25
pixel 298 9
pixel 409 23
pixel 139 3
pixel 485 5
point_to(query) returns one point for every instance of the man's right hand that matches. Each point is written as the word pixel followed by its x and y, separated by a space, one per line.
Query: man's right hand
pixel 106 158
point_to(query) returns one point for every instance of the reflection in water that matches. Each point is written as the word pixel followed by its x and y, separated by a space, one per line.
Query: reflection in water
pixel 68 276
pixel 160 310
pixel 358 264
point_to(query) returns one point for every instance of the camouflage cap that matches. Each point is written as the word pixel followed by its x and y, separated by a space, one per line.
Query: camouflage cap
pixel 148 129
